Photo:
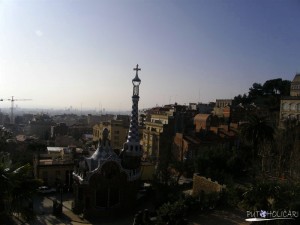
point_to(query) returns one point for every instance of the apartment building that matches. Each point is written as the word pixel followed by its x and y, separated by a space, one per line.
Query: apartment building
pixel 118 131
pixel 155 129
pixel 54 167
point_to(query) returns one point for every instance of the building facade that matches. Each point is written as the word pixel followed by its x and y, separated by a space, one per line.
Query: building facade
pixel 54 167
pixel 106 183
pixel 154 130
pixel 118 131
pixel 290 105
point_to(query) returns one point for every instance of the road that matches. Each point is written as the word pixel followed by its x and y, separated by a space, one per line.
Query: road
pixel 43 207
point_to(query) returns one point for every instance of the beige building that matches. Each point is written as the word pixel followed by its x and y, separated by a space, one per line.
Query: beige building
pixel 222 107
pixel 295 86
pixel 55 167
pixel 152 133
pixel 290 105
pixel 118 132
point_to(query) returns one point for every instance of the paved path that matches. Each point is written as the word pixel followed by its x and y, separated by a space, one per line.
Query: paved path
pixel 43 209
pixel 219 217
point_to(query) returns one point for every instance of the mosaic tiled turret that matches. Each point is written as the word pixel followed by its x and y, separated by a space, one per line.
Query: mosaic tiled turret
pixel 132 150
pixel 106 184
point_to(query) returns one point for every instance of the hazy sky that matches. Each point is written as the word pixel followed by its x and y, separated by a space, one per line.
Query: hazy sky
pixel 81 53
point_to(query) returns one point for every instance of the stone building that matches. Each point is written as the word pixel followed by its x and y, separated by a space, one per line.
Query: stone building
pixel 295 86
pixel 290 105
pixel 106 183
pixel 222 108
pixel 205 121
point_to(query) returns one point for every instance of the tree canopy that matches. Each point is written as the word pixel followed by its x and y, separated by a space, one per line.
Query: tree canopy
pixel 271 88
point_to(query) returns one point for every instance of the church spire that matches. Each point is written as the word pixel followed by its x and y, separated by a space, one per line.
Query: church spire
pixel 133 134
pixel 132 150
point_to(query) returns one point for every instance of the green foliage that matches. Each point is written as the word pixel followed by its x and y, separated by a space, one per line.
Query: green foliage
pixel 220 164
pixel 271 195
pixel 267 95
pixel 256 90
pixel 16 190
pixel 165 192
pixel 172 213
pixel 257 130
pixel 232 195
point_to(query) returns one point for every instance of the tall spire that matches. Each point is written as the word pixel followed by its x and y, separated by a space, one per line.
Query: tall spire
pixel 132 150
pixel 133 134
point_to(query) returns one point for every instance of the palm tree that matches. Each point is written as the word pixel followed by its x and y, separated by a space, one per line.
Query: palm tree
pixel 257 131
pixel 16 191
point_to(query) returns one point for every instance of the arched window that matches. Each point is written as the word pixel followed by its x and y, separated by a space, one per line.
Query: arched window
pixel 284 116
pixel 286 106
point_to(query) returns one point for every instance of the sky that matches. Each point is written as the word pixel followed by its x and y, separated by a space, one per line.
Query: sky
pixel 81 53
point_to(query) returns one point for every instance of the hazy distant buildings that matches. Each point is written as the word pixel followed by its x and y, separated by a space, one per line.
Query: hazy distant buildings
pixel 39 126
pixel 60 129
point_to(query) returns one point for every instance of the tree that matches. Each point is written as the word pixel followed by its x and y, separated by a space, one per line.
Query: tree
pixel 172 213
pixel 287 150
pixel 256 131
pixel 276 87
pixel 271 195
pixel 256 90
pixel 16 191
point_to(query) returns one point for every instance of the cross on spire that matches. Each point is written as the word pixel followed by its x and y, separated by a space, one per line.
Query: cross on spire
pixel 137 69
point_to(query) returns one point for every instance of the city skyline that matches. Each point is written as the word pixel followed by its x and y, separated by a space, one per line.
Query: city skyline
pixel 82 53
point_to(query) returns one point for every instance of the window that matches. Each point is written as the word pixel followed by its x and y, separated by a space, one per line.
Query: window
pixel 286 106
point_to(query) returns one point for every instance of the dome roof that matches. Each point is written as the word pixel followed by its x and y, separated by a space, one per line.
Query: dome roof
pixel 104 151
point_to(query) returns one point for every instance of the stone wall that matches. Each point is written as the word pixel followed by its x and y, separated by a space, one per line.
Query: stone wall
pixel 206 185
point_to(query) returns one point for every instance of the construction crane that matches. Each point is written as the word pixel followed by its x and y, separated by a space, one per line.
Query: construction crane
pixel 12 99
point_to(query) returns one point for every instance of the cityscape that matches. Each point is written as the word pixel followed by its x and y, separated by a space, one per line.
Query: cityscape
pixel 103 122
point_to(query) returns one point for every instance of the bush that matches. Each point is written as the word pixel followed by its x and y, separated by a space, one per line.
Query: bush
pixel 172 213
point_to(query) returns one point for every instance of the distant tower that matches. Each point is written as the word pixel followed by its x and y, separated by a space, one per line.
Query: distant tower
pixel 132 150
